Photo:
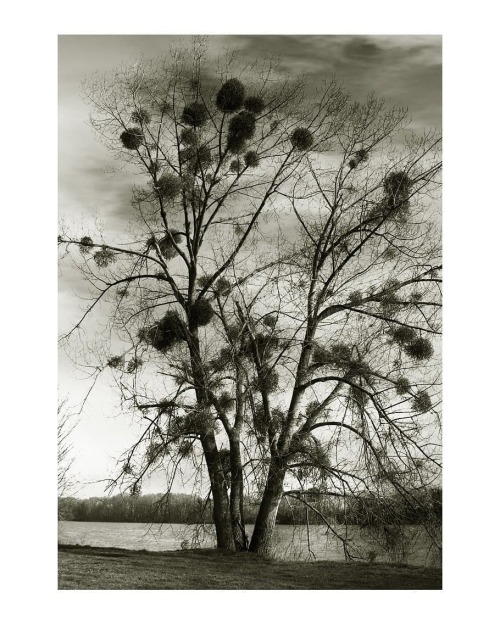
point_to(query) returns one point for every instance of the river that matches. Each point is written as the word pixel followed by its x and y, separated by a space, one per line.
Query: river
pixel 413 546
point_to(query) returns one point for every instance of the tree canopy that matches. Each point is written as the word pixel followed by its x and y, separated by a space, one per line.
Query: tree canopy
pixel 273 308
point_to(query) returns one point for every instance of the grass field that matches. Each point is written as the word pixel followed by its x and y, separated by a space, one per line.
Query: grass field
pixel 83 567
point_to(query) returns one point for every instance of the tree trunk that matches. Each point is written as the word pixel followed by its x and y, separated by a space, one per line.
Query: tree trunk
pixel 218 482
pixel 236 498
pixel 221 509
pixel 266 518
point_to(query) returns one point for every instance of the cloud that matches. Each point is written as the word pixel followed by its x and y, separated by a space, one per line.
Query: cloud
pixel 404 70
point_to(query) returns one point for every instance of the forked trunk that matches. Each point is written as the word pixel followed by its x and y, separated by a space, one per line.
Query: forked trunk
pixel 236 499
pixel 221 509
pixel 266 518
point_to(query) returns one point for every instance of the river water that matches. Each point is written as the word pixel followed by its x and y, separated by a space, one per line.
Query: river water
pixel 412 546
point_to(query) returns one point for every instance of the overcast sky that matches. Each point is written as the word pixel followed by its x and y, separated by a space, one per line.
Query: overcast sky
pixel 404 70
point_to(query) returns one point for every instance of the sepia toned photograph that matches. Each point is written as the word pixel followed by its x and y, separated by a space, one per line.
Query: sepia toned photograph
pixel 249 312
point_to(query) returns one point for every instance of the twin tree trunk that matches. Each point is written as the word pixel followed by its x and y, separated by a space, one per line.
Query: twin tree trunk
pixel 221 511
pixel 227 509
pixel 228 514
pixel 268 509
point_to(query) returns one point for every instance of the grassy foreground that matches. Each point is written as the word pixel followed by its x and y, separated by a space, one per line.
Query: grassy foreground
pixel 82 567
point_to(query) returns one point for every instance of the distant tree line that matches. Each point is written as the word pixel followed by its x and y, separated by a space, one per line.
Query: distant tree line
pixel 310 508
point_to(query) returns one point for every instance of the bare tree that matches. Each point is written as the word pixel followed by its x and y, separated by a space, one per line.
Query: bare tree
pixel 275 291
pixel 66 423
pixel 358 318
pixel 214 153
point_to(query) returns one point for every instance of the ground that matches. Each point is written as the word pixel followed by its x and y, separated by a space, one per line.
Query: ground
pixel 82 567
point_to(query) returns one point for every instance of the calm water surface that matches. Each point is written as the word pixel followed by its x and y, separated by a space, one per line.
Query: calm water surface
pixel 291 542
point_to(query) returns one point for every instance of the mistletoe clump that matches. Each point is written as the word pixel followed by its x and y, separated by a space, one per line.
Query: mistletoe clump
pixel 270 320
pixel 231 96
pixel 260 422
pixel 402 386
pixel 188 136
pixel 241 128
pixel 403 335
pixel 195 158
pixel 337 354
pixel 132 138
pixel 416 297
pixel 419 349
pixel 201 313
pixel 301 139
pixel 397 184
pixel 104 257
pixel 85 244
pixel 389 300
pixel 251 159
pixel 185 448
pixel 266 344
pixel 154 168
pixel 390 252
pixel 254 105
pixel 421 402
pixel 169 331
pixel 166 244
pixel 223 287
pixel 340 354
pixel 226 401
pixel 141 116
pixel 321 355
pixel 204 281
pixel 134 364
pixel 266 423
pixel 355 298
pixel 195 114
pixel 359 157
pixel 169 186
pixel 312 451
pixel 196 422
pixel 115 362
pixel 267 380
